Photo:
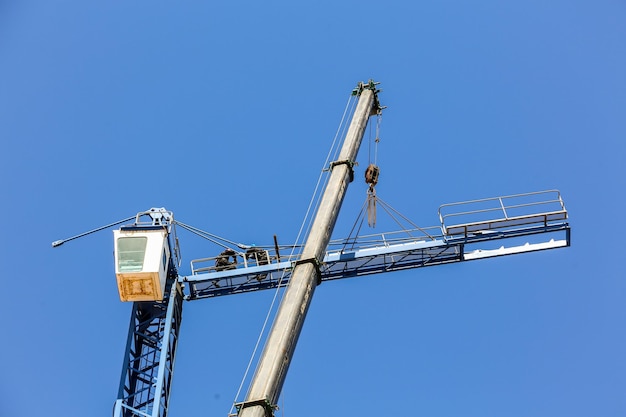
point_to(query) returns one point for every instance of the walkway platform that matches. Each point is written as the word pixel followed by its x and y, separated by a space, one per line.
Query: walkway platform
pixel 487 228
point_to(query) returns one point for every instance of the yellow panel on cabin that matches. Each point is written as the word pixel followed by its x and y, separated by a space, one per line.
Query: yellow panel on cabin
pixel 139 287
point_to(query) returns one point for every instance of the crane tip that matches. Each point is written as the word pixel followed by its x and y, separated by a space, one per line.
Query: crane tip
pixel 57 243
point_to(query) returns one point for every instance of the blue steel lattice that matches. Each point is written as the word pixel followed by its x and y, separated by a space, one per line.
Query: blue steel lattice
pixel 149 360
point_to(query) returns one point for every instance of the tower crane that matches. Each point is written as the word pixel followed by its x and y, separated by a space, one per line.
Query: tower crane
pixel 147 260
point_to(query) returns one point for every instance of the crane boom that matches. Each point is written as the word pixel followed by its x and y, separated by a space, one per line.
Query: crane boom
pixel 272 367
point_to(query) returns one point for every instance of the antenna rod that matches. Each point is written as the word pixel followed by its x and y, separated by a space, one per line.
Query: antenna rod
pixel 57 243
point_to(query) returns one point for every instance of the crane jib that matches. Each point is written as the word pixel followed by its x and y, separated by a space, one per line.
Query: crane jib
pixel 407 254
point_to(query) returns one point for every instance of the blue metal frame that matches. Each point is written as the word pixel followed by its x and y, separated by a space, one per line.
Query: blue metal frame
pixel 149 361
pixel 399 255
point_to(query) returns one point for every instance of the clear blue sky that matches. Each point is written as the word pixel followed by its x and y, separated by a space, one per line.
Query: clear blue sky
pixel 223 112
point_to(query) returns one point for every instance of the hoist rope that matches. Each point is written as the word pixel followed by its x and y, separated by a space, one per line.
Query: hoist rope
pixel 306 224
pixel 379 119
pixel 371 174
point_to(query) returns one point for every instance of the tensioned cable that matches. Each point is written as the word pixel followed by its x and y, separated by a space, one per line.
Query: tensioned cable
pixel 62 241
pixel 215 238
pixel 300 231
pixel 334 154
pixel 351 239
pixel 210 236
pixel 387 207
pixel 341 131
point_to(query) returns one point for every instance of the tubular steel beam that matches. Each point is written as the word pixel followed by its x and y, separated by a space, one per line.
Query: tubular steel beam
pixel 276 357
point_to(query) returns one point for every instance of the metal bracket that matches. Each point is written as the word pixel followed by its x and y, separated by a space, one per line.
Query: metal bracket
pixel 315 263
pixel 159 217
pixel 350 165
pixel 267 406
pixel 370 85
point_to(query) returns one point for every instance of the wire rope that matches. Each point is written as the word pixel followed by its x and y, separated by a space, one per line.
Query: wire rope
pixel 387 207
pixel 313 200
pixel 376 140
pixel 258 342
pixel 379 119
pixel 62 241
pixel 351 239
pixel 333 153
pixel 210 236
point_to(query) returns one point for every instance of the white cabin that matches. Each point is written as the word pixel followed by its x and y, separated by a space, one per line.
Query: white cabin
pixel 142 258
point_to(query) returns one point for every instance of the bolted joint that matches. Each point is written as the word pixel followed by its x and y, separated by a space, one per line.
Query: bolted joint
pixel 370 85
pixel 350 165
pixel 377 109
pixel 315 263
pixel 265 403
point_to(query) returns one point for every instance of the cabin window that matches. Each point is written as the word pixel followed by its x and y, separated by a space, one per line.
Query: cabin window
pixel 130 253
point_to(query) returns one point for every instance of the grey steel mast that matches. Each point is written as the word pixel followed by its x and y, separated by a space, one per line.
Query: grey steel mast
pixel 272 368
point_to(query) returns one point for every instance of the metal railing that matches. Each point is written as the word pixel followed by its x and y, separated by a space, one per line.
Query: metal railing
pixel 237 259
pixel 502 212
pixel 259 257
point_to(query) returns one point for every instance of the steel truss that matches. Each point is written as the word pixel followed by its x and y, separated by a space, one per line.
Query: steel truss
pixel 400 254
pixel 149 361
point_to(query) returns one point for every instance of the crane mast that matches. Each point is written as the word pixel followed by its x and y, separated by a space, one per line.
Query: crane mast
pixel 146 270
pixel 272 368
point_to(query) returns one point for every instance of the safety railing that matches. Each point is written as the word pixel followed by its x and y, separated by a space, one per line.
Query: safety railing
pixel 502 213
pixel 231 259
pixel 258 256
pixel 384 239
